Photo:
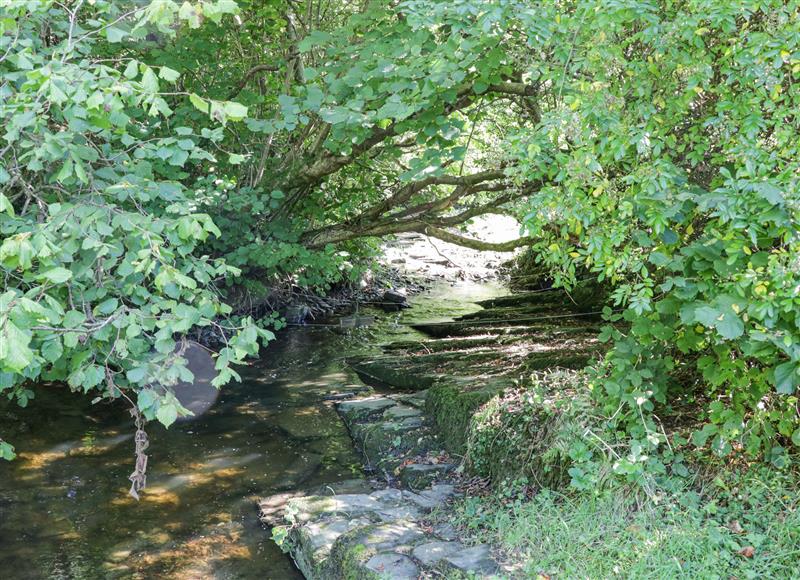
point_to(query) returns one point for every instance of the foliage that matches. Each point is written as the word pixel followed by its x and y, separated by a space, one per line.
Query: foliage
pixel 103 278
pixel 151 151
pixel 743 526
pixel 671 141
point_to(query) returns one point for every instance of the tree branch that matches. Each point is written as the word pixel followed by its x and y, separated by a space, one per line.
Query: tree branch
pixel 452 238
pixel 250 73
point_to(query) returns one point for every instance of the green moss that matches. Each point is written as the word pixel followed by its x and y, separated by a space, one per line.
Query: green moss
pixel 452 407
pixel 348 556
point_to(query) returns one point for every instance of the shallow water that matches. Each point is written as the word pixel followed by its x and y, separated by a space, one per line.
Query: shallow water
pixel 64 507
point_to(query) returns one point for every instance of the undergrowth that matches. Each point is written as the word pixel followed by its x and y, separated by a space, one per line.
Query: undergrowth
pixel 739 525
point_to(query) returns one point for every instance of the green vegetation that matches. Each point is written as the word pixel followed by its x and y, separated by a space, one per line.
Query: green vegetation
pixel 159 160
pixel 743 526
pixel 534 432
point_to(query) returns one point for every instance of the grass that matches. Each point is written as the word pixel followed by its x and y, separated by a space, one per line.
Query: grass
pixel 706 533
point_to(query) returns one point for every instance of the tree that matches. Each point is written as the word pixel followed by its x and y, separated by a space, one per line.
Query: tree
pixel 103 277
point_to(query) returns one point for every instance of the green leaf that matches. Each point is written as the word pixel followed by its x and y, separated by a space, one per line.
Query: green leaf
pixel 6 451
pixel 730 326
pixel 167 414
pixel 149 81
pixel 786 379
pixel 145 399
pixel 57 275
pixel 52 350
pixel 199 102
pixel 234 111
pixel 132 70
pixel 73 319
pixel 14 352
pixel 706 316
pixel 114 34
pixel 5 206
pixel 168 74
pixel 137 375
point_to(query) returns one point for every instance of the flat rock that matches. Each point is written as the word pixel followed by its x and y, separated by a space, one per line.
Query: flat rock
pixel 417 475
pixel 445 531
pixel 477 560
pixel 392 565
pixel 324 534
pixel 401 412
pixel 388 536
pixel 414 399
pixel 363 408
pixel 310 508
pixel 432 552
pixel 433 497
pixel 388 495
pixel 403 512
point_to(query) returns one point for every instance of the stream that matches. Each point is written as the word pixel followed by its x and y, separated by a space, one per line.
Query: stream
pixel 65 512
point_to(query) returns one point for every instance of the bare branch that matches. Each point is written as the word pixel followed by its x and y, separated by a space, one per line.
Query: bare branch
pixel 446 236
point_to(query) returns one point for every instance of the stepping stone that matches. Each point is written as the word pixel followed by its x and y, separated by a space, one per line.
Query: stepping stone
pixel 403 512
pixel 432 552
pixel 445 531
pixel 433 497
pixel 388 495
pixel 418 476
pixel 388 536
pixel 414 399
pixel 363 408
pixel 309 508
pixel 324 534
pixel 401 411
pixel 477 559
pixel 394 566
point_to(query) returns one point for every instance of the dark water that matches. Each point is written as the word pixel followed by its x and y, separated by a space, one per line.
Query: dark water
pixel 64 507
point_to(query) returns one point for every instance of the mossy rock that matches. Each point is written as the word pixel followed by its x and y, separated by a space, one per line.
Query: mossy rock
pixel 353 550
pixel 386 444
pixel 396 372
pixel 527 432
pixel 452 406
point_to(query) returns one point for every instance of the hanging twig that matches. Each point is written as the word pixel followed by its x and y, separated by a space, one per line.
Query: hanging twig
pixel 139 476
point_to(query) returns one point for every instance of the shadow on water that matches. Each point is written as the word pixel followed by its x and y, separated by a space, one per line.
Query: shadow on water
pixel 64 507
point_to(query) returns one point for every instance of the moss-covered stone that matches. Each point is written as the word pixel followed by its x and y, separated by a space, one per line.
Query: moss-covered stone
pixel 527 432
pixel 394 372
pixel 452 406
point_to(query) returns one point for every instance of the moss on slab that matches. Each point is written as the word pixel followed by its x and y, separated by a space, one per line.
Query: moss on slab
pixel 452 407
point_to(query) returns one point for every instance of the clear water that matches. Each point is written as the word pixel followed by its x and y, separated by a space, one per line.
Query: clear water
pixel 64 507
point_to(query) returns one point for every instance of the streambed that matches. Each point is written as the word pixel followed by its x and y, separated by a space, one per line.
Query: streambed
pixel 64 508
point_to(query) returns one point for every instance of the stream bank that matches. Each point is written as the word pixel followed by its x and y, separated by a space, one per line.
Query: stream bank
pixel 412 437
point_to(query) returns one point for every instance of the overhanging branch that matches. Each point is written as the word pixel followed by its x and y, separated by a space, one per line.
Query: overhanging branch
pixel 452 238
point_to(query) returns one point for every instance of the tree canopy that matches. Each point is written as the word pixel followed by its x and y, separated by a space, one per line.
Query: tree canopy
pixel 157 154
